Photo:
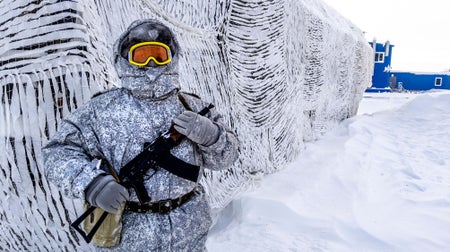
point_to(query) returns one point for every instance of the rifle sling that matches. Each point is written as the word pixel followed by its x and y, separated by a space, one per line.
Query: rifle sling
pixel 178 167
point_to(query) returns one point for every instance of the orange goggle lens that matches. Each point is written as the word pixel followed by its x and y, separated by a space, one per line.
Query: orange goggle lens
pixel 142 53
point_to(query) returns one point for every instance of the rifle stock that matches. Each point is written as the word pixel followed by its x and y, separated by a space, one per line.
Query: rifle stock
pixel 76 224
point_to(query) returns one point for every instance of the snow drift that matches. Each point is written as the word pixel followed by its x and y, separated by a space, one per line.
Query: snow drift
pixel 377 182
pixel 283 71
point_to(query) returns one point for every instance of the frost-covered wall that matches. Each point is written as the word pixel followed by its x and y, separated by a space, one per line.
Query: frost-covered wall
pixel 283 71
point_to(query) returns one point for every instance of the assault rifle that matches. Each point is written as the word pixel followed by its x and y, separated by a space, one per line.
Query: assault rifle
pixel 156 154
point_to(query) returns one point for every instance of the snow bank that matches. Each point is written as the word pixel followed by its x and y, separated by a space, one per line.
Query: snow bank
pixel 378 182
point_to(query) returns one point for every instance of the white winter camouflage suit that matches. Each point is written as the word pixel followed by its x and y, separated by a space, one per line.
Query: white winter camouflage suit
pixel 114 126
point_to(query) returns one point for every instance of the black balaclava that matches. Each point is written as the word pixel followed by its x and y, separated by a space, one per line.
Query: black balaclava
pixel 151 81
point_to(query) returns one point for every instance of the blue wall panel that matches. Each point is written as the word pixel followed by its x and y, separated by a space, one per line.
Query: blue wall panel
pixel 420 81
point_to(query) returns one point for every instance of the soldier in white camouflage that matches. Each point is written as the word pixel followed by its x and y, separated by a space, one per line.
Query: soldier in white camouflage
pixel 112 128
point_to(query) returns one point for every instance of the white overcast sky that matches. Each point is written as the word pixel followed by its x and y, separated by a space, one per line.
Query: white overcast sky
pixel 418 29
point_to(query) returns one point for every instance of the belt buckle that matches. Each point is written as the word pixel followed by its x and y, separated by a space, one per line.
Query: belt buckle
pixel 164 206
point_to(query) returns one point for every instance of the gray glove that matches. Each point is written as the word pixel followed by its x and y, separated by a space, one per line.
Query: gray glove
pixel 106 193
pixel 198 128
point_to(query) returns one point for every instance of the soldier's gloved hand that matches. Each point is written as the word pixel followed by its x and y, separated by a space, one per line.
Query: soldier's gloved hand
pixel 198 128
pixel 106 193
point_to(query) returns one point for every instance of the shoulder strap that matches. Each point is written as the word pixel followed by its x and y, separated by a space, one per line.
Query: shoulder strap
pixel 184 102
pixel 103 92
pixel 111 169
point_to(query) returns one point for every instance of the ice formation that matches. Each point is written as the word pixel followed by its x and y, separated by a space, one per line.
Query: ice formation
pixel 282 71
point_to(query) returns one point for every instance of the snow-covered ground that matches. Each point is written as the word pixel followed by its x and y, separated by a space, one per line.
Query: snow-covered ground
pixel 379 181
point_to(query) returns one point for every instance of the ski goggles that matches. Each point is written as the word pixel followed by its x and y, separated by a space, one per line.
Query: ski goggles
pixel 142 53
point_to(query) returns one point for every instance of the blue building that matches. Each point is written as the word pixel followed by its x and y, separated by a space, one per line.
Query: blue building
pixel 386 80
pixel 420 81
pixel 382 67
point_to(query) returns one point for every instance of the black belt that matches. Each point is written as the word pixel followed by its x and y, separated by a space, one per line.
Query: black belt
pixel 162 206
